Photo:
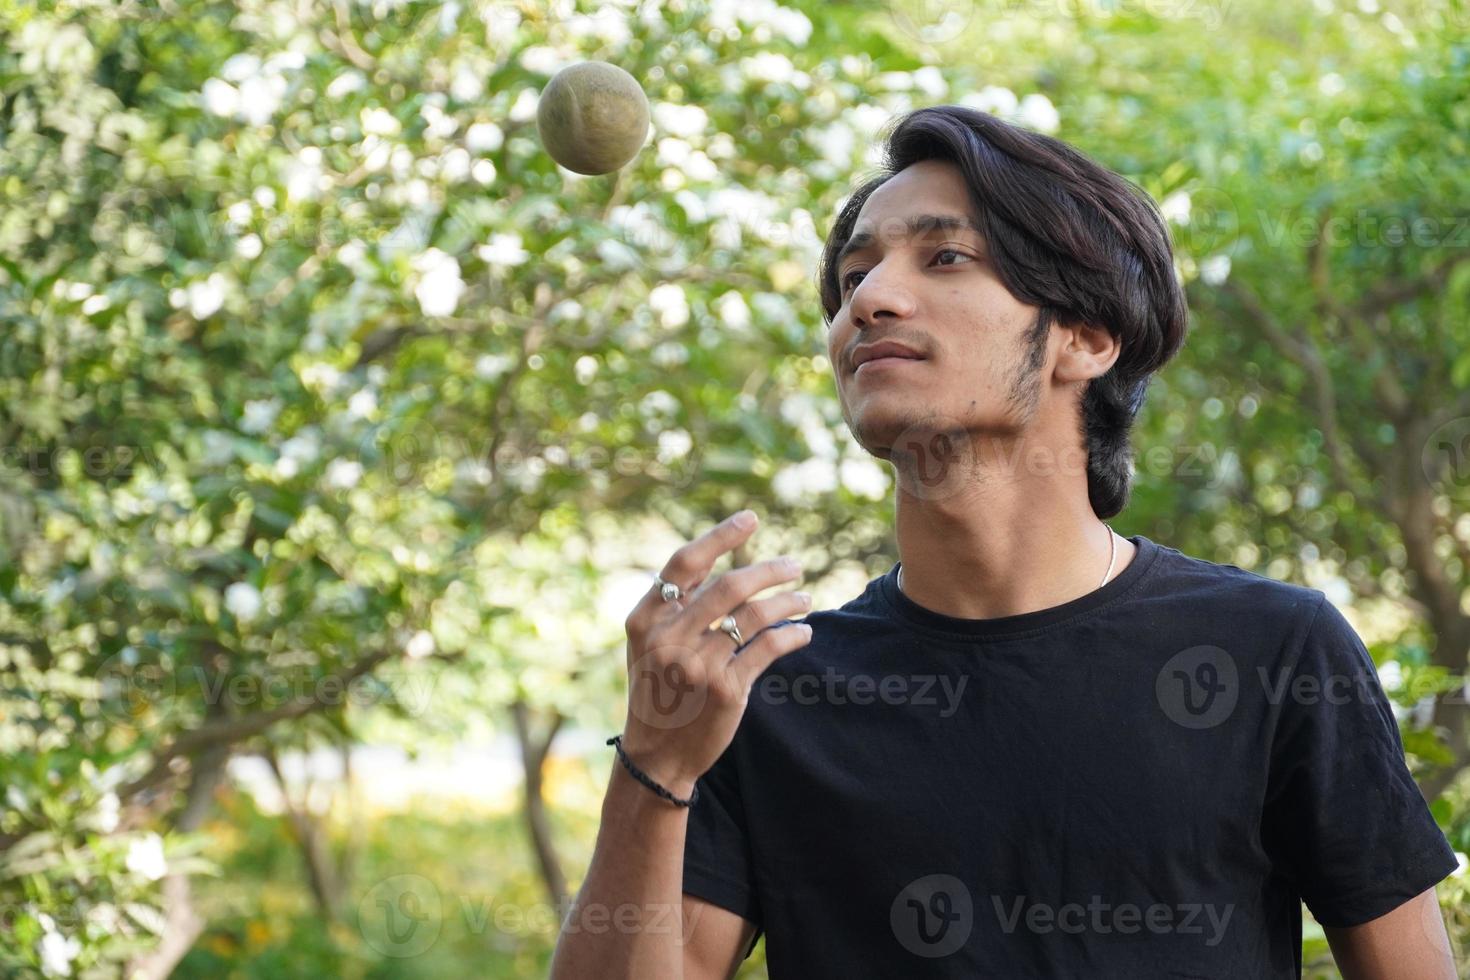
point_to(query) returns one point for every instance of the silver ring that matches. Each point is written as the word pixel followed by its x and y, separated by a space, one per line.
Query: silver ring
pixel 668 590
pixel 732 629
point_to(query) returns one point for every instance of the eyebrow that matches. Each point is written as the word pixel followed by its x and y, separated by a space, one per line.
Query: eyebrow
pixel 917 224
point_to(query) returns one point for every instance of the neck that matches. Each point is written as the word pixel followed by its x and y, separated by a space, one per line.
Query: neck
pixel 979 555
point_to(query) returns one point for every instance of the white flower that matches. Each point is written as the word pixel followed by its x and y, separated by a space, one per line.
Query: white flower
pixel 994 99
pixel 57 952
pixel 467 85
pixel 674 444
pixel 239 67
pixel 303 448
pixel 501 21
pixel 243 601
pixel 449 16
pixel 107 812
pixel 352 253
pixel 864 477
pixel 615 256
pixel 1175 207
pixel 1215 269
pixel 680 120
pixel 440 286
pixel 609 25
pixel 492 366
pixel 790 24
pixel 793 25
pixel 145 856
pixel 260 415
pixel 733 311
pixel 379 122
pixel 504 249
pixel 220 98
pixel 205 298
pixel 768 66
pixel 260 97
pixel 524 107
pixel 345 84
pixel 219 448
pixel 364 402
pixel 343 474
pixel 420 645
pixel 668 301
pixel 249 247
pixel 455 164
pixel 1036 112
pixel 483 171
pixel 930 80
pixel 484 137
pixel 542 60
pixel 304 175
pixel 836 143
pixel 802 481
pixel 440 123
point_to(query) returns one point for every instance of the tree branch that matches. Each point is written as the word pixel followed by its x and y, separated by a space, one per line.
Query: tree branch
pixel 1304 352
pixel 237 729
pixel 1396 291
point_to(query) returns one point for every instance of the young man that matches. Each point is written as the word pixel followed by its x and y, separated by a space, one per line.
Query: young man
pixel 1032 748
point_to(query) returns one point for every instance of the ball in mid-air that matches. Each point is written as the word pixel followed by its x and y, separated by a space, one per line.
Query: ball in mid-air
pixel 592 117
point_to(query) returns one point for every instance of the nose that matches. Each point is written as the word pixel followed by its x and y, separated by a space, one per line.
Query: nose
pixel 880 294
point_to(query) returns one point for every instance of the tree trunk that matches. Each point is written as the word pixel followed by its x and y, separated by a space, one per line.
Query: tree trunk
pixel 182 924
pixel 534 749
pixel 312 840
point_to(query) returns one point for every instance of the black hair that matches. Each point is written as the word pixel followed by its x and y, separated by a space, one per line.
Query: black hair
pixel 1064 234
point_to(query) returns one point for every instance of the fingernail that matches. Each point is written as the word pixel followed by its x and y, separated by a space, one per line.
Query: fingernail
pixel 805 598
pixel 745 520
pixel 790 563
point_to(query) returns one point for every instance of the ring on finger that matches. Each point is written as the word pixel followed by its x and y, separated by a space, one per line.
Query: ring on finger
pixel 732 629
pixel 667 590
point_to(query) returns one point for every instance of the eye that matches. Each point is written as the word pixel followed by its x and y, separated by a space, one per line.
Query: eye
pixel 847 283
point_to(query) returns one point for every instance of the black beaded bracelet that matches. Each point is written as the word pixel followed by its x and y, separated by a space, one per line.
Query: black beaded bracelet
pixel 617 742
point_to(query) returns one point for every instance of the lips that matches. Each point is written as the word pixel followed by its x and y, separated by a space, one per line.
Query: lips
pixel 880 364
pixel 884 350
pixel 887 351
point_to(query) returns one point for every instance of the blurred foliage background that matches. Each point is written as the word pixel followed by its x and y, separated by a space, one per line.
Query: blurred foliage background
pixel 342 428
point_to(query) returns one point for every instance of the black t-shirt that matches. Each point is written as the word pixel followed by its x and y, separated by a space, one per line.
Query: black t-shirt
pixel 1143 782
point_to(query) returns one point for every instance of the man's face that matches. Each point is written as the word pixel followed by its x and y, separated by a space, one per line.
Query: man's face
pixel 935 291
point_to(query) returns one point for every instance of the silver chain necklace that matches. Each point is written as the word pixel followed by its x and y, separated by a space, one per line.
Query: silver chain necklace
pixel 1112 557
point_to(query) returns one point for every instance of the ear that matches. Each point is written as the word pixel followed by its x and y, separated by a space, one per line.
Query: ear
pixel 1088 350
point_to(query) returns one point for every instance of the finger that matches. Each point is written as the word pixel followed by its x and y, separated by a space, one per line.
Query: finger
pixel 727 592
pixel 765 649
pixel 688 568
pixel 755 616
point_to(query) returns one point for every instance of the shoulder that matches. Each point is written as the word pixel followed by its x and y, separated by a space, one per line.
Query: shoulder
pixel 1217 589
